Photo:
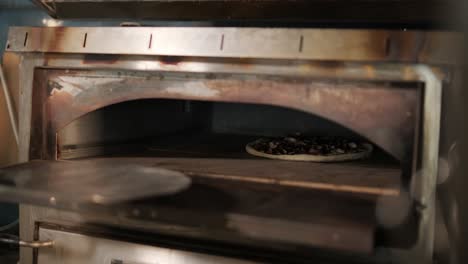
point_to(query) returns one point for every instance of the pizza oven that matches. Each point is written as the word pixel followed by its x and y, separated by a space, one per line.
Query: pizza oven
pixel 189 100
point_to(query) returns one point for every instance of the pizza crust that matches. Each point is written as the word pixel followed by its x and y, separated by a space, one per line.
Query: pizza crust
pixel 313 158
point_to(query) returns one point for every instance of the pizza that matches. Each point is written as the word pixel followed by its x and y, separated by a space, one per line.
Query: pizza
pixel 302 148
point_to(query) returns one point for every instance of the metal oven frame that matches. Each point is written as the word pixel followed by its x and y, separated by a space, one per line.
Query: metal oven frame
pixel 350 55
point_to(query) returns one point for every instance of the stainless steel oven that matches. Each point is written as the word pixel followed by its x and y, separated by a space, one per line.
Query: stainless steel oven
pixel 95 105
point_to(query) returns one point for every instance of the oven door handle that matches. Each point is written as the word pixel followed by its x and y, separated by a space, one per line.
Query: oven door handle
pixel 14 240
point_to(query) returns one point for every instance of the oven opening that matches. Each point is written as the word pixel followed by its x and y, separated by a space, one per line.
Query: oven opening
pixel 166 127
pixel 212 133
pixel 325 205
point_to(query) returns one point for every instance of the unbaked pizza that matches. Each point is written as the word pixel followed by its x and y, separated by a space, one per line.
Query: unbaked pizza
pixel 302 148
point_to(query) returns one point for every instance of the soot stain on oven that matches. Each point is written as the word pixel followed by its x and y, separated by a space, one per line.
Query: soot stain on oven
pixel 171 60
pixel 56 39
pixel 101 58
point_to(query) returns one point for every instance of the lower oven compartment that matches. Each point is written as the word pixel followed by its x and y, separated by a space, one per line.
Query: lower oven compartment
pixel 74 248
pixel 235 197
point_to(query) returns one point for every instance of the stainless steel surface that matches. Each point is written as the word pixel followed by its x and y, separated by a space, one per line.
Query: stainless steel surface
pixel 71 248
pixel 12 240
pixel 70 184
pixel 9 150
pixel 424 179
pixel 9 104
pixel 431 137
pixel 20 70
pixel 311 44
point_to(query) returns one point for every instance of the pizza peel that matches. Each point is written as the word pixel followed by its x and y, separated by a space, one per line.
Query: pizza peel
pixel 92 181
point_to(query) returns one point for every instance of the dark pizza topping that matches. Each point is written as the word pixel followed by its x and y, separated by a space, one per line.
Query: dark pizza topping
pixel 293 145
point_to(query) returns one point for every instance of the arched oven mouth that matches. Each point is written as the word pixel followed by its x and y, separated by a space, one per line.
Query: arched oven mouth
pixel 210 140
pixel 201 124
